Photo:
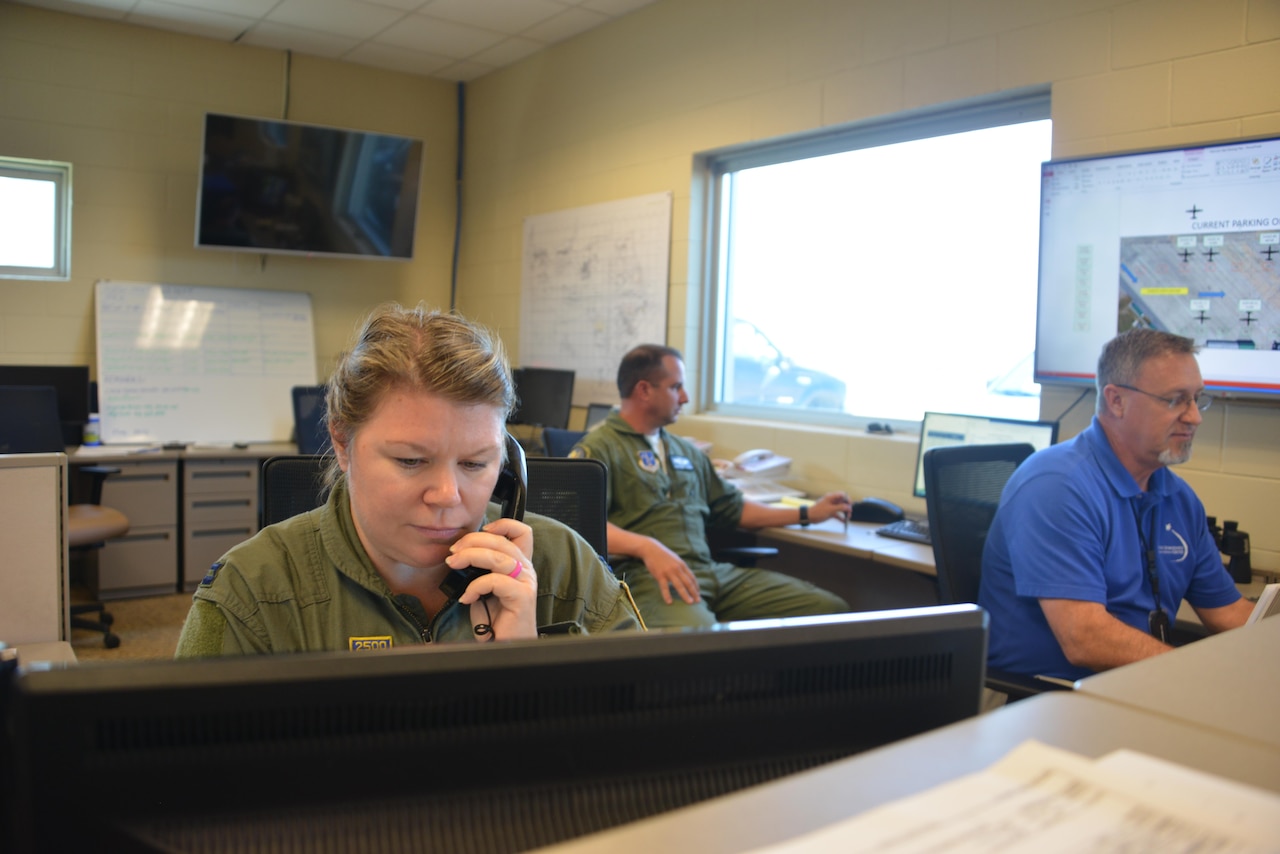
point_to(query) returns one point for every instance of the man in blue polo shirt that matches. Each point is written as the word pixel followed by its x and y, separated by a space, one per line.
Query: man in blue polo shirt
pixel 1096 542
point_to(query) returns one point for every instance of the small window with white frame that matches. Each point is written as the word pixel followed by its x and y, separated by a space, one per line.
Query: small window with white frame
pixel 35 219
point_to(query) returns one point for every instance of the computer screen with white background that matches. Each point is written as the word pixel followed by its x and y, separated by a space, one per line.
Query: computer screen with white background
pixel 939 430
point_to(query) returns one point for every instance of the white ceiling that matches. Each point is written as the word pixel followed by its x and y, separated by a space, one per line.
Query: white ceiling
pixel 448 39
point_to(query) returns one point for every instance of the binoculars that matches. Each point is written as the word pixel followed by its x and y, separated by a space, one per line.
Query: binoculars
pixel 1233 543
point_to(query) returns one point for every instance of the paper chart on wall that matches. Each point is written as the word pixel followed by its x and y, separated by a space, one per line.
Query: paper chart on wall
pixel 593 285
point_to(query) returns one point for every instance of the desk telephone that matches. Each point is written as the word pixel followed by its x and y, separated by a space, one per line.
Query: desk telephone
pixel 510 492
pixel 761 462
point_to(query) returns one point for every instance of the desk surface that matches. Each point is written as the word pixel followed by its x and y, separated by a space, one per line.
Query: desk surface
pixel 786 808
pixel 1198 683
pixel 860 541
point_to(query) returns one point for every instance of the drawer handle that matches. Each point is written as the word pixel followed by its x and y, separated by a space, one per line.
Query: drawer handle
pixel 222 532
pixel 137 538
pixel 137 478
pixel 222 502
pixel 197 475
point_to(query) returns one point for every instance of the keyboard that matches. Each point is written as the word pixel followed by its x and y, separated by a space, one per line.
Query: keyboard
pixel 917 531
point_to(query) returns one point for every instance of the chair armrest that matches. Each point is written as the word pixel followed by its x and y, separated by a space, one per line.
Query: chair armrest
pixel 744 555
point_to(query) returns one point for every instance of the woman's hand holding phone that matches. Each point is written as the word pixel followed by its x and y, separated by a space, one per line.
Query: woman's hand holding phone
pixel 504 598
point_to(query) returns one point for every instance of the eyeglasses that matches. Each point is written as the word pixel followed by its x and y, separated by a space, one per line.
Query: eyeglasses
pixel 1201 401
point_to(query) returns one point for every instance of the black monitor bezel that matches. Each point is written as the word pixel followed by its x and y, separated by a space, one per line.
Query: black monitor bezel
pixel 544 396
pixel 285 732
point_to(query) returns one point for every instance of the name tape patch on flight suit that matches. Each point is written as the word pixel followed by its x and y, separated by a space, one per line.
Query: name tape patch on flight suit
pixel 681 464
pixel 356 644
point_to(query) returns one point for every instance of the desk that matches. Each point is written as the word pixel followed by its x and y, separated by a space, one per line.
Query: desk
pixel 185 509
pixel 869 571
pixel 1085 722
pixel 1198 682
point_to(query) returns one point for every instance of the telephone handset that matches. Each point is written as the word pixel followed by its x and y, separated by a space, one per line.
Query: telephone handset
pixel 510 492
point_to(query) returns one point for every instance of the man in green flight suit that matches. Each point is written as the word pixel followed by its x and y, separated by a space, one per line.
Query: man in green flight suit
pixel 664 492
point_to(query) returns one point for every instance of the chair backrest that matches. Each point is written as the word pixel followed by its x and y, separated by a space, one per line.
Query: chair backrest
pixel 574 491
pixel 557 442
pixel 290 485
pixel 962 486
pixel 308 419
pixel 29 422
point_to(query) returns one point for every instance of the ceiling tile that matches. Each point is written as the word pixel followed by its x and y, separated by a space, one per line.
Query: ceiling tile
pixel 504 16
pixel 247 8
pixel 397 59
pixel 457 41
pixel 339 17
pixel 114 10
pixel 464 70
pixel 185 19
pixel 616 8
pixel 567 24
pixel 507 52
pixel 402 5
pixel 281 37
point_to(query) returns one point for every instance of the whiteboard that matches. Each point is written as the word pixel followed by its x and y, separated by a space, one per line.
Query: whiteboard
pixel 178 363
pixel 594 285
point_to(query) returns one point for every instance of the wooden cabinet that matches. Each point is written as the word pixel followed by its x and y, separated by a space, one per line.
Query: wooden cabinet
pixel 143 561
pixel 219 510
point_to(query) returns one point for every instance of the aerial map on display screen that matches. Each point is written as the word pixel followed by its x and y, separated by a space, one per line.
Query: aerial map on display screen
pixel 1220 289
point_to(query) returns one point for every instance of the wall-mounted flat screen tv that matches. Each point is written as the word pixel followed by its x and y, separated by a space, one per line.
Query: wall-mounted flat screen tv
pixel 1186 240
pixel 276 186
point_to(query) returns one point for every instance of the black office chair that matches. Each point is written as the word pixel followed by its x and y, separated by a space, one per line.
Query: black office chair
pixel 290 485
pixel 573 491
pixel 308 419
pixel 557 442
pixel 30 424
pixel 962 486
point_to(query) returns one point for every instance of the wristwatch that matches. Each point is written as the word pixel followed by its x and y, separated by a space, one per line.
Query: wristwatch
pixel 804 516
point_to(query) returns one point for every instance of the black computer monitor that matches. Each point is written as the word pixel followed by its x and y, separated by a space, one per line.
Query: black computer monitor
pixel 493 747
pixel 940 429
pixel 72 385
pixel 309 430
pixel 544 395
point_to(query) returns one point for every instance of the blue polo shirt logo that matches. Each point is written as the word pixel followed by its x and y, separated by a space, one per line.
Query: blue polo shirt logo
pixel 1179 552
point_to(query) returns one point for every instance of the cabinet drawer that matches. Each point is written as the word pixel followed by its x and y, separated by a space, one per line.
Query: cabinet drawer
pixel 146 492
pixel 141 563
pixel 202 510
pixel 202 477
pixel 200 548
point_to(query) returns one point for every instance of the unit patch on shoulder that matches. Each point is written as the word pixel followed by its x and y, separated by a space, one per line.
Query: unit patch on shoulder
pixel 647 460
pixel 355 644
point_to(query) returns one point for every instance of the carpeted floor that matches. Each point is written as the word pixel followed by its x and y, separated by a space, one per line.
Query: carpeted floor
pixel 148 628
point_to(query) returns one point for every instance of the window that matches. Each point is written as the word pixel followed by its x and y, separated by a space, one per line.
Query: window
pixel 35 219
pixel 881 270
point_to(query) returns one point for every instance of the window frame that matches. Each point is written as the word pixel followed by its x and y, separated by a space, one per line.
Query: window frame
pixel 713 172
pixel 59 174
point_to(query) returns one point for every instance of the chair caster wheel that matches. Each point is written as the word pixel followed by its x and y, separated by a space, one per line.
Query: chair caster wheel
pixel 106 619
pixel 110 641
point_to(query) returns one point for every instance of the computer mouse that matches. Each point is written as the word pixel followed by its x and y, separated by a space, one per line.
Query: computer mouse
pixel 875 510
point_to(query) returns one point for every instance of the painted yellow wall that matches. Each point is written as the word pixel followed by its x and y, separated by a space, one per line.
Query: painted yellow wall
pixel 620 112
pixel 125 105
pixel 623 111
